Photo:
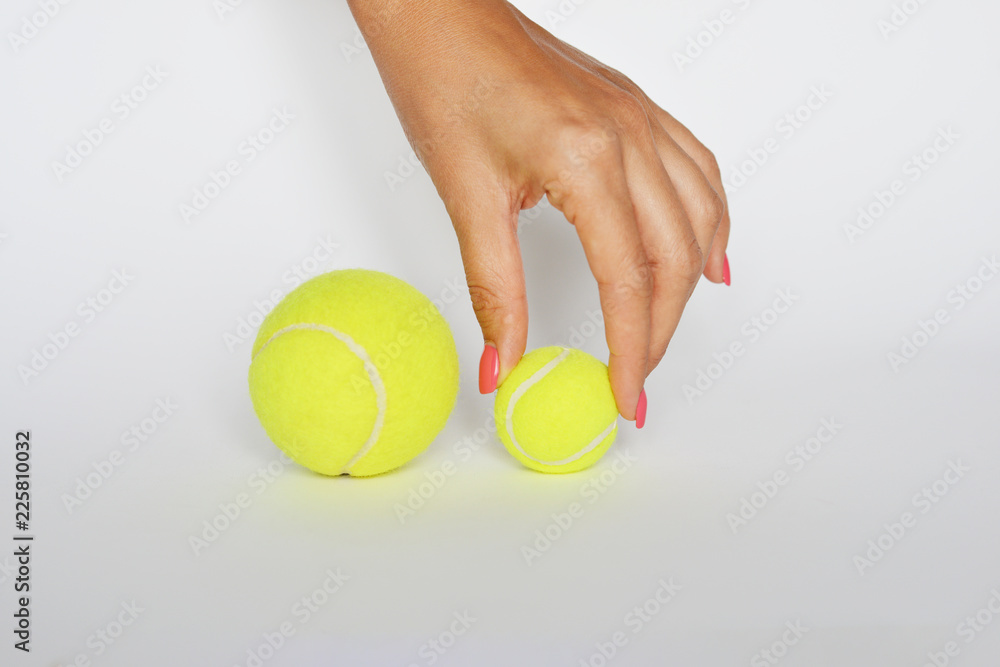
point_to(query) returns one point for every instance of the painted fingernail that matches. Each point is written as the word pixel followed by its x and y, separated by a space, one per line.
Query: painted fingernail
pixel 640 410
pixel 489 369
pixel 726 278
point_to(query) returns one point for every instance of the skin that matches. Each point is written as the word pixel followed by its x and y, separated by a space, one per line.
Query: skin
pixel 501 113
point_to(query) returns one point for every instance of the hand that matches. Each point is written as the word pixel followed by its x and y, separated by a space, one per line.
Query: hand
pixel 501 113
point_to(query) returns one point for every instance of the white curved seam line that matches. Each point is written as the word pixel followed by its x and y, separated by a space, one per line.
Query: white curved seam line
pixel 521 390
pixel 370 369
pixel 589 448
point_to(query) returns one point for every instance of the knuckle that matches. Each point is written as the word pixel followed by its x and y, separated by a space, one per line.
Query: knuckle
pixel 583 148
pixel 583 135
pixel 635 282
pixel 711 164
pixel 656 355
pixel 628 84
pixel 492 302
pixel 689 261
pixel 659 266
pixel 630 112
pixel 712 208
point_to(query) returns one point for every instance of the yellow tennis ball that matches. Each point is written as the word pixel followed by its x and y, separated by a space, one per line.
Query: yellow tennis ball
pixel 555 411
pixel 354 372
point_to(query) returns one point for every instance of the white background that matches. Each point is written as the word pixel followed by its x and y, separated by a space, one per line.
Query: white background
pixel 164 337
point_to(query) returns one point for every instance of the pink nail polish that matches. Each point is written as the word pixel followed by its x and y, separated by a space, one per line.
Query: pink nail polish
pixel 489 369
pixel 640 410
pixel 726 278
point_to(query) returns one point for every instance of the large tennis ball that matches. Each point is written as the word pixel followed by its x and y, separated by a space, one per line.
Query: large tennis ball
pixel 353 373
pixel 555 412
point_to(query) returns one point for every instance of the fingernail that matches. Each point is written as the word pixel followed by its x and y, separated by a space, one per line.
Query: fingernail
pixel 489 369
pixel 725 270
pixel 640 410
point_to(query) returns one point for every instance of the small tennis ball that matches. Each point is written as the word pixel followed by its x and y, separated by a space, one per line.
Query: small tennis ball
pixel 353 373
pixel 555 411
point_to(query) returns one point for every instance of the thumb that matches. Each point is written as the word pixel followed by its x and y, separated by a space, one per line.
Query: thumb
pixel 487 235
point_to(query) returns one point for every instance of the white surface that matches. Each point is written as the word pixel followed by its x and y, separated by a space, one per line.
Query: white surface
pixel 665 516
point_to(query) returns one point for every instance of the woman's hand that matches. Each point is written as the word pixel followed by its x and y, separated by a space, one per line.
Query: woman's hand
pixel 500 112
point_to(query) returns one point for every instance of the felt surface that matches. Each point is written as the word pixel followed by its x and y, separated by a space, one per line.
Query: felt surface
pixel 560 414
pixel 313 394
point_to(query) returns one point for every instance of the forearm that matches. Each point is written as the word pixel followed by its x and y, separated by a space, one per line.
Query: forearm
pixel 438 59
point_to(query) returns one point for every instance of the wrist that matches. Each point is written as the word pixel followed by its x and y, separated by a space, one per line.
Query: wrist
pixel 401 31
pixel 429 52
